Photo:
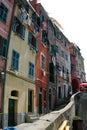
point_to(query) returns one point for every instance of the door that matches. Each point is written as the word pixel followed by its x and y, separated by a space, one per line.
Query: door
pixel 29 101
pixel 49 101
pixel 59 92
pixel 40 103
pixel 12 112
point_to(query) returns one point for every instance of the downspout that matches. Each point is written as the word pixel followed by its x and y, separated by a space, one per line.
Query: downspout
pixel 48 73
pixel 8 40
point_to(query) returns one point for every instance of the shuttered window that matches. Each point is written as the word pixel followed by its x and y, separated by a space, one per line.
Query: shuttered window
pixel 15 60
pixel 31 69
pixel 19 28
pixel 3 13
pixel 4 47
pixel 32 41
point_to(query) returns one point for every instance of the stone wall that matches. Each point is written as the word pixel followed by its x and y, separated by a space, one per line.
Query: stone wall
pixel 81 107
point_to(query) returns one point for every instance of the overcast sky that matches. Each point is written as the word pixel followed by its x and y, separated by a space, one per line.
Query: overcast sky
pixel 72 15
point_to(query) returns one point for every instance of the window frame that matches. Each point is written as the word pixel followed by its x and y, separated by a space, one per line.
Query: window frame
pixel 19 28
pixel 4 13
pixel 15 60
pixel 31 70
pixel 42 63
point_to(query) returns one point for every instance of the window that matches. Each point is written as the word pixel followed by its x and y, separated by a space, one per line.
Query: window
pixel 41 17
pixel 57 65
pixel 63 69
pixel 19 28
pixel 14 93
pixel 32 41
pixel 3 12
pixel 53 50
pixel 67 71
pixel 31 69
pixel 3 47
pixel 56 49
pixel 15 60
pixel 51 72
pixel 66 57
pixel 63 54
pixel 44 36
pixel 43 61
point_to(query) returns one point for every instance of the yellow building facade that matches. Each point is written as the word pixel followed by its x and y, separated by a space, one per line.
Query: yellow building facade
pixel 19 93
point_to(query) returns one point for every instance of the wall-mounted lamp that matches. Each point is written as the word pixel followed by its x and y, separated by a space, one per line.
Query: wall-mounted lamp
pixel 3 74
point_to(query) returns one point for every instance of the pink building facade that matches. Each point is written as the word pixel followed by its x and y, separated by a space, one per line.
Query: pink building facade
pixel 6 9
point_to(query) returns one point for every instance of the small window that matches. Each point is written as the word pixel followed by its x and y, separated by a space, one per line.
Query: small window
pixel 67 71
pixel 44 36
pixel 53 50
pixel 15 60
pixel 57 65
pixel 3 12
pixel 50 91
pixel 56 49
pixel 63 54
pixel 32 41
pixel 63 70
pixel 51 72
pixel 14 93
pixel 40 90
pixel 43 60
pixel 41 17
pixel 3 47
pixel 31 69
pixel 66 57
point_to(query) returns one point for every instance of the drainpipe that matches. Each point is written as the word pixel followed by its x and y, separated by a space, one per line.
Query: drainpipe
pixel 47 105
pixel 4 78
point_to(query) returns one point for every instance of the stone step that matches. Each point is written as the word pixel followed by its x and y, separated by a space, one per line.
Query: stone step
pixel 31 117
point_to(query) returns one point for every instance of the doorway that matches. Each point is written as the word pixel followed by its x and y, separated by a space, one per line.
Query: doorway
pixel 30 101
pixel 40 100
pixel 12 112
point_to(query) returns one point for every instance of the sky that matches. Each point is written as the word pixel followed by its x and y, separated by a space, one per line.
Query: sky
pixel 72 15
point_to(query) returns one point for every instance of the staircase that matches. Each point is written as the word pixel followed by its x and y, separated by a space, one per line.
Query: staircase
pixel 31 117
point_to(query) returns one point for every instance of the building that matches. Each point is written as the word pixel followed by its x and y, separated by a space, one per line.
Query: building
pixel 63 64
pixel 77 67
pixel 52 64
pixel 42 61
pixel 20 95
pixel 6 11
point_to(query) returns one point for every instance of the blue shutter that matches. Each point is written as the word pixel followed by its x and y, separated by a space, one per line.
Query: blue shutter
pixel 14 24
pixel 29 38
pixel 15 60
pixel 23 32
pixel 4 47
pixel 31 69
pixel 21 17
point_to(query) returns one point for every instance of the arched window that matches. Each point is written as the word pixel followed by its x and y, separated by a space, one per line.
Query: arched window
pixel 14 93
